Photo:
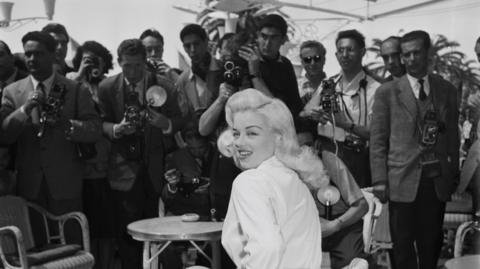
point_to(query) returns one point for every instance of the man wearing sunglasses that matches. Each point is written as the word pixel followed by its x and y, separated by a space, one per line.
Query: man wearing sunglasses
pixel 353 98
pixel 312 54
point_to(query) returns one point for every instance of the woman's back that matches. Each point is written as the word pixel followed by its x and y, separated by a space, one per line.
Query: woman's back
pixel 272 221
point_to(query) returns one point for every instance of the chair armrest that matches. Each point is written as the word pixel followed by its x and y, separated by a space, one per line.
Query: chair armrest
pixel 20 246
pixel 61 219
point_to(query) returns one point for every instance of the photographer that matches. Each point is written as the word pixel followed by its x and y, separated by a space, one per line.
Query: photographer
pixel 343 106
pixel 136 130
pixel 270 72
pixel 153 42
pixel 188 172
pixel 414 149
pixel 43 121
pixel 91 62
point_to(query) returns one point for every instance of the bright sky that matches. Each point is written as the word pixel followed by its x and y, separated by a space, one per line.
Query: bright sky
pixel 111 21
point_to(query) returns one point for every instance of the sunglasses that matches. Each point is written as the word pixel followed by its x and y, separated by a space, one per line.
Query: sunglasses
pixel 310 59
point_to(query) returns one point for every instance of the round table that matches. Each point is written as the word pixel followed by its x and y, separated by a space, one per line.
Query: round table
pixel 464 262
pixel 157 233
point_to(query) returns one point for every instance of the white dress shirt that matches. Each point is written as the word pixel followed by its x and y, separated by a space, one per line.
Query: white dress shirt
pixel 353 97
pixel 272 220
pixel 415 85
pixel 48 83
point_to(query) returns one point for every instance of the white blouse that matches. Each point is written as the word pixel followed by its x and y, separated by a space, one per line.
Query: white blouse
pixel 272 220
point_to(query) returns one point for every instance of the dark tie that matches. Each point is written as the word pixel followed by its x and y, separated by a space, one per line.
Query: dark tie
pixel 421 93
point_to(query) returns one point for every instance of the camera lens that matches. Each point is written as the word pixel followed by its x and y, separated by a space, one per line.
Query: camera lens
pixel 229 65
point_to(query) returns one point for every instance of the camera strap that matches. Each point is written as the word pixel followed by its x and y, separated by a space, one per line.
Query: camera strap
pixel 56 100
pixel 421 113
pixel 361 85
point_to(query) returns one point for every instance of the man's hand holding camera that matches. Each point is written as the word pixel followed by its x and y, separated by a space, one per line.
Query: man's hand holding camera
pixel 35 99
pixel 157 119
pixel 123 128
pixel 172 177
pixel 322 116
pixel 226 90
pixel 251 54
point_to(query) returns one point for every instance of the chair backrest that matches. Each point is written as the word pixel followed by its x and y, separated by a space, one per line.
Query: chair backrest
pixel 471 228
pixel 14 211
pixel 370 219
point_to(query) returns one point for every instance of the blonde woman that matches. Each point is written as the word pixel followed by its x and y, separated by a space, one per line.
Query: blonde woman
pixel 272 220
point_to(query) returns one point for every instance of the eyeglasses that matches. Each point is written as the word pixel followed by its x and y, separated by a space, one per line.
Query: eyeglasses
pixel 310 59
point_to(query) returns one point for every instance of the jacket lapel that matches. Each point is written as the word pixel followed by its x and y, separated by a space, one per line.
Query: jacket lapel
pixel 406 96
pixel 439 95
pixel 119 97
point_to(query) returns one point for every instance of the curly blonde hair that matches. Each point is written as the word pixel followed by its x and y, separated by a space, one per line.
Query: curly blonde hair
pixel 302 160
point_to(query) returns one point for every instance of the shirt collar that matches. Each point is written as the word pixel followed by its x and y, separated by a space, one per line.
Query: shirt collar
pixel 355 81
pixel 46 83
pixel 414 84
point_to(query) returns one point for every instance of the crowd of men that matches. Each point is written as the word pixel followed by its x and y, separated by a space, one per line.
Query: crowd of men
pixel 98 144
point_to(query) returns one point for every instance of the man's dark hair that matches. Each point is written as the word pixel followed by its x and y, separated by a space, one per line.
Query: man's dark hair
pixel 153 33
pixel 131 47
pixel 392 37
pixel 418 34
pixel 352 34
pixel 190 131
pixel 41 37
pixel 314 44
pixel 275 21
pixel 478 40
pixel 193 29
pixel 5 46
pixel 96 48
pixel 224 38
pixel 56 28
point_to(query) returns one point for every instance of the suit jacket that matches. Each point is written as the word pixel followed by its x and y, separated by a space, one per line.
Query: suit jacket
pixel 395 140
pixel 122 173
pixel 52 156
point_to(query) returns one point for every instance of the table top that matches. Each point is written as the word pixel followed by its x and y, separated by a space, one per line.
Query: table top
pixel 174 229
pixel 464 262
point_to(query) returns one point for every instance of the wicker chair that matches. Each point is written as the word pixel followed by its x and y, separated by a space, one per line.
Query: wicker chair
pixel 17 243
pixel 463 231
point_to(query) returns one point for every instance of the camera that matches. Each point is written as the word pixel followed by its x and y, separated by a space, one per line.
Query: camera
pixel 153 64
pixel 328 99
pixel 189 186
pixel 51 108
pixel 94 71
pixel 354 143
pixel 133 110
pixel 431 129
pixel 235 67
pixel 233 74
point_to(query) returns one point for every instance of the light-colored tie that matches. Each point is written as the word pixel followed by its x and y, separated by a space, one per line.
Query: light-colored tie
pixel 35 111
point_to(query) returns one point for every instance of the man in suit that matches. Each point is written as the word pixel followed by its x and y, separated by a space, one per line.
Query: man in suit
pixel 9 73
pixel 49 170
pixel 137 132
pixel 414 154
